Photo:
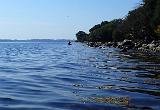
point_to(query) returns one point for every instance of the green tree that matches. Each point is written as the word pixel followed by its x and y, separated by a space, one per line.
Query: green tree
pixel 81 36
pixel 142 23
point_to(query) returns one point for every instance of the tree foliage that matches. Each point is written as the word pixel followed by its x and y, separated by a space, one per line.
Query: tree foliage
pixel 142 23
pixel 81 36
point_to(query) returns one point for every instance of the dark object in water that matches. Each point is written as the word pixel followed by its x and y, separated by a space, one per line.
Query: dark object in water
pixel 69 43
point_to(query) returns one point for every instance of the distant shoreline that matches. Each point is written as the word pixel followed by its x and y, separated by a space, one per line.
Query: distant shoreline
pixel 34 40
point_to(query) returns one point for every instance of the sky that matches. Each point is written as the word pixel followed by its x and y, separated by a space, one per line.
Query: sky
pixel 57 19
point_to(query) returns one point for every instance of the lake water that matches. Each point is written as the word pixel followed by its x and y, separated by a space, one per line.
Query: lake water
pixel 55 76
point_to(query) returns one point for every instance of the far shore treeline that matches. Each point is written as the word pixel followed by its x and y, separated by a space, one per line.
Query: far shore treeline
pixel 142 23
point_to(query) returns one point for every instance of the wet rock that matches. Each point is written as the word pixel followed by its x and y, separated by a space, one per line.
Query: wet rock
pixel 128 43
pixel 90 44
pixel 125 45
pixel 115 44
pixel 144 46
pixel 94 44
pixel 124 50
pixel 158 49
pixel 151 48
pixel 109 44
pixel 119 45
pixel 138 45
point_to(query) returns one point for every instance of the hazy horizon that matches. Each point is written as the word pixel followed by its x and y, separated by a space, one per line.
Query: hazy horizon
pixel 36 39
pixel 57 19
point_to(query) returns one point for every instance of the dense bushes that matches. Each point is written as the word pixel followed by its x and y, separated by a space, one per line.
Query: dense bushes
pixel 81 36
pixel 142 23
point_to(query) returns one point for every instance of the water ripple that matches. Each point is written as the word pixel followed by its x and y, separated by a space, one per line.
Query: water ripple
pixel 47 76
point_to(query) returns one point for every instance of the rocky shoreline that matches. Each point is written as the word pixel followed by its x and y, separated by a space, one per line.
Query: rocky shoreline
pixel 152 48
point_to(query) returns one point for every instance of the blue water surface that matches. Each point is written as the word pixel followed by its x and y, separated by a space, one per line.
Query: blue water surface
pixel 55 76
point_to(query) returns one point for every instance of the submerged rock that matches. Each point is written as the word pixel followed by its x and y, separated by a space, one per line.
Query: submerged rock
pixel 112 100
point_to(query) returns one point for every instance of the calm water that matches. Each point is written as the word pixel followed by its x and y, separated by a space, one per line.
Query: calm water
pixel 55 76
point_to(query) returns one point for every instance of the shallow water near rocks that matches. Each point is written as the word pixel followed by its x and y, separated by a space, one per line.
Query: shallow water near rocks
pixel 55 76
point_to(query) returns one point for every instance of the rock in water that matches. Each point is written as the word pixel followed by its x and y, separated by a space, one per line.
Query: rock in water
pixel 128 44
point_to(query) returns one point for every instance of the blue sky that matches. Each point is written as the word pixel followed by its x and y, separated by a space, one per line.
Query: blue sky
pixel 57 19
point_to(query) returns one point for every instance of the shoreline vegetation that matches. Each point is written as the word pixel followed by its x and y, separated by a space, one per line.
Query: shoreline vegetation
pixel 139 30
